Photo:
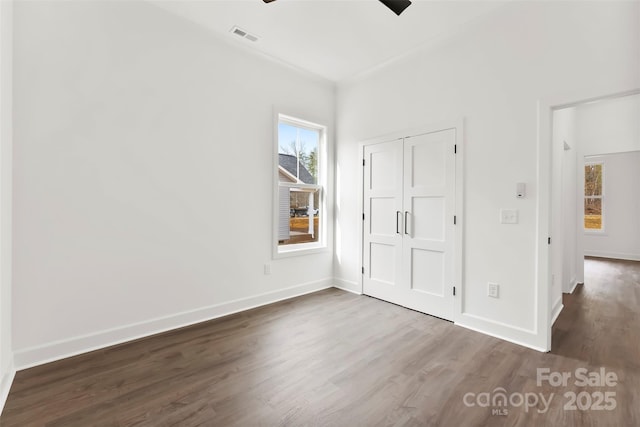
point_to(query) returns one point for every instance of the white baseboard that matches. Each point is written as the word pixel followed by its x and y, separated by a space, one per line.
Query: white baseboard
pixel 571 286
pixel 5 384
pixel 557 309
pixel 614 255
pixel 568 287
pixel 34 356
pixel 513 334
pixel 347 285
pixel 38 355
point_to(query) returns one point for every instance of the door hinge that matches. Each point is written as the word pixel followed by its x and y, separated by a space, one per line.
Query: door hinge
pixel 455 148
pixel 362 162
pixel 454 291
pixel 454 220
pixel 363 217
pixel 362 270
pixel 549 240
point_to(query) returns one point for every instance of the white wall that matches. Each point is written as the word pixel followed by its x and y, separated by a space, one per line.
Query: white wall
pixel 493 76
pixel 609 126
pixel 564 215
pixel 621 236
pixel 6 65
pixel 564 237
pixel 143 175
pixel 572 265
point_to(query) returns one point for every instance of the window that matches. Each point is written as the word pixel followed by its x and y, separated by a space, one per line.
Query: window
pixel 593 196
pixel 300 186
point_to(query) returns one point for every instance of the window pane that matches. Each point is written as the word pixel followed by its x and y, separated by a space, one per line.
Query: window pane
pixel 301 224
pixel 298 153
pixel 592 214
pixel 593 180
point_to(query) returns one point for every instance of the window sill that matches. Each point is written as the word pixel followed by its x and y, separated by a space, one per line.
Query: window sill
pixel 299 250
pixel 600 233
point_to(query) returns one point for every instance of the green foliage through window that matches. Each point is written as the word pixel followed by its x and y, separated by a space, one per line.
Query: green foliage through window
pixel 593 197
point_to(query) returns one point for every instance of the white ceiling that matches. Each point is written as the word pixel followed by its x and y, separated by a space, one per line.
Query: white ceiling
pixel 335 39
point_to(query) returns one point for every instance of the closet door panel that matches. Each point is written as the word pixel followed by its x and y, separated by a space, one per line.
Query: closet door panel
pixel 382 246
pixel 429 193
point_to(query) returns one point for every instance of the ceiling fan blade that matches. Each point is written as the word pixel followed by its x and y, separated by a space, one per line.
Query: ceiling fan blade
pixel 397 6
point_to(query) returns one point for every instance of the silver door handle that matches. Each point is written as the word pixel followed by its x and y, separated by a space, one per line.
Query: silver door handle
pixel 405 221
pixel 398 222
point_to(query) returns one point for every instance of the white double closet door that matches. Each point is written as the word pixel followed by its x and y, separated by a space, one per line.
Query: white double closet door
pixel 408 239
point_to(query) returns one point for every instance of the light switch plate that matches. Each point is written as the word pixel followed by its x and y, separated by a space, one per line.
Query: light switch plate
pixel 508 216
pixel 493 290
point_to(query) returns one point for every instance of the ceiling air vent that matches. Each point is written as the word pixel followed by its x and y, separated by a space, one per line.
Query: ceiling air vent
pixel 242 33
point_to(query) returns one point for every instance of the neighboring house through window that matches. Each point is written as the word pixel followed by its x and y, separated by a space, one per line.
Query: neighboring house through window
pixel 300 185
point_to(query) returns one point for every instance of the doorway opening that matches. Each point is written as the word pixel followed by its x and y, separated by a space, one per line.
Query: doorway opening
pixel 594 203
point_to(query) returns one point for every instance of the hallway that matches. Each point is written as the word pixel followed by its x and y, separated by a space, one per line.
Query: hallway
pixel 600 323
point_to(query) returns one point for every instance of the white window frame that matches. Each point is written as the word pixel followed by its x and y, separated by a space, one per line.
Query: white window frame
pixel 601 230
pixel 280 251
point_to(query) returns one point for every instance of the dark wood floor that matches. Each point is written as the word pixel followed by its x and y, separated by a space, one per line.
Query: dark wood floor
pixel 337 359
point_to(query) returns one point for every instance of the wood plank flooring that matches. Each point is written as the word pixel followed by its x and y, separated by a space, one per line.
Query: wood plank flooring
pixel 337 359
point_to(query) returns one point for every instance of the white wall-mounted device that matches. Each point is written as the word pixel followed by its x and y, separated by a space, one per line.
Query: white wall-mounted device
pixel 521 190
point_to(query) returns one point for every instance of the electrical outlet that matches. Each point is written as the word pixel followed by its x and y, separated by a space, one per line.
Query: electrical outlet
pixel 267 269
pixel 493 290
